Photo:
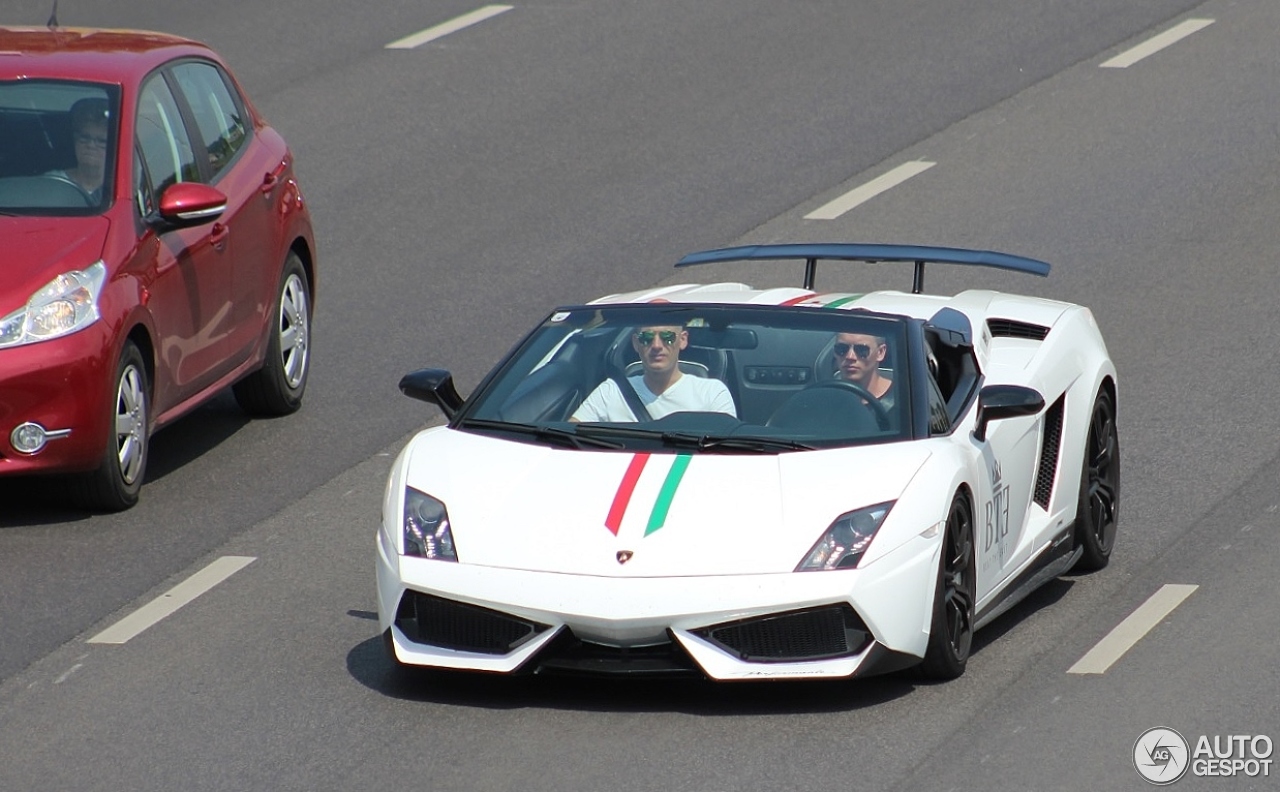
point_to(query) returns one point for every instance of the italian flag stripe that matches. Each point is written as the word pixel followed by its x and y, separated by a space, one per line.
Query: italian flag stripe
pixel 842 301
pixel 628 486
pixel 668 492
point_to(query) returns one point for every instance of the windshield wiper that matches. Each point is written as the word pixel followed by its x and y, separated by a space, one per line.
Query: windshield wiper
pixel 548 433
pixel 761 445
pixel 700 442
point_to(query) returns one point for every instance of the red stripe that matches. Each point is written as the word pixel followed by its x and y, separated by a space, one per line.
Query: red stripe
pixel 800 299
pixel 628 486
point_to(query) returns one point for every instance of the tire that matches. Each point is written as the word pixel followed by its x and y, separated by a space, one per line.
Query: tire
pixel 115 485
pixel 951 628
pixel 277 387
pixel 1099 500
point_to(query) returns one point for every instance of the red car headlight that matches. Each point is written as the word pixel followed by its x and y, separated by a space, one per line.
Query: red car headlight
pixel 66 304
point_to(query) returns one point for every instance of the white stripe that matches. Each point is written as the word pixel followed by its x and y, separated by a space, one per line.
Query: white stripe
pixel 181 594
pixel 445 28
pixel 1131 630
pixel 65 675
pixel 1156 43
pixel 869 190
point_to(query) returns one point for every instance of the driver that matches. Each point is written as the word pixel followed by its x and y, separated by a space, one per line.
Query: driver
pixel 662 387
pixel 89 132
pixel 858 360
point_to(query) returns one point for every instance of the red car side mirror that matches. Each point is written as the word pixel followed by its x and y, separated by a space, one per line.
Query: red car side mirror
pixel 191 203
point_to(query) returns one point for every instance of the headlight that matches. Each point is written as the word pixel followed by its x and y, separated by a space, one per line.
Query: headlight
pixel 843 544
pixel 66 304
pixel 426 527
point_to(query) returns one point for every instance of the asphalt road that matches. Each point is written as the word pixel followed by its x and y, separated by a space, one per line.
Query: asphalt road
pixel 559 151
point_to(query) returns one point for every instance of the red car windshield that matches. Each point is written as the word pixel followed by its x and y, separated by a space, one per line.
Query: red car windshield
pixel 58 141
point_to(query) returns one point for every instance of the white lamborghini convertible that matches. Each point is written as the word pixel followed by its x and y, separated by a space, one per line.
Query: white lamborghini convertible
pixel 849 484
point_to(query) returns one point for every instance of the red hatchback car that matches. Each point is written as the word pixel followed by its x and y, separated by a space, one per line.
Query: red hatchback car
pixel 157 250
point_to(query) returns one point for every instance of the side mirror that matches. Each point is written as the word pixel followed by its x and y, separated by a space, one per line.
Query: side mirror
pixel 188 204
pixel 434 386
pixel 1005 401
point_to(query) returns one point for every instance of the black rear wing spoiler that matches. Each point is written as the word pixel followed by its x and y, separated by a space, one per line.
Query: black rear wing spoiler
pixel 920 254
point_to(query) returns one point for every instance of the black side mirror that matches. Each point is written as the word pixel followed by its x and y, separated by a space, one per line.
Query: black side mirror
pixel 434 386
pixel 1005 401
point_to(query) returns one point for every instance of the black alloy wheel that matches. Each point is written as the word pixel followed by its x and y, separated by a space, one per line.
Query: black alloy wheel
pixel 952 626
pixel 1099 504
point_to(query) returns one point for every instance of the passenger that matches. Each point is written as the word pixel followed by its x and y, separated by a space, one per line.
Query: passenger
pixel 89 133
pixel 858 360
pixel 662 387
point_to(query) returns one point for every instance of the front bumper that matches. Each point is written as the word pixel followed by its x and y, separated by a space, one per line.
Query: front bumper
pixel 61 385
pixel 726 627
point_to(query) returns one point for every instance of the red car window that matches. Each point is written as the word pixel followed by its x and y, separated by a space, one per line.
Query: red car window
pixel 166 148
pixel 218 116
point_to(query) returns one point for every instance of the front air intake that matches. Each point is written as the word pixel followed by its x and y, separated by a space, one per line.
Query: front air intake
pixel 568 654
pixel 436 621
pixel 794 636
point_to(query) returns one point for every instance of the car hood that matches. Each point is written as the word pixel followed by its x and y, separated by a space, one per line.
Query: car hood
pixel 38 249
pixel 623 514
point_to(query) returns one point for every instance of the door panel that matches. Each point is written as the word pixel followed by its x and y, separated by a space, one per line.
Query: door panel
pixel 1008 472
pixel 239 161
pixel 191 280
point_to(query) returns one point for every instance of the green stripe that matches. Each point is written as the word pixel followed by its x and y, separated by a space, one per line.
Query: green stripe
pixel 842 301
pixel 668 492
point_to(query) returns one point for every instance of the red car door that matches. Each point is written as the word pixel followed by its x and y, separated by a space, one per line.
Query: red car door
pixel 191 280
pixel 242 164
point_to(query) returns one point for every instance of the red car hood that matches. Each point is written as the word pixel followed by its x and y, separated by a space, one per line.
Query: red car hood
pixel 37 249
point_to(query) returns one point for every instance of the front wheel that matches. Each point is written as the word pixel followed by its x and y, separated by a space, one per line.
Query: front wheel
pixel 277 387
pixel 951 628
pixel 1099 500
pixel 115 485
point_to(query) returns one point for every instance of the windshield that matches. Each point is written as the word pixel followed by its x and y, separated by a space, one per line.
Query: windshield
pixel 710 378
pixel 57 144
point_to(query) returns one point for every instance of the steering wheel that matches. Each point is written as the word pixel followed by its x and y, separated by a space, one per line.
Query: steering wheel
pixel 80 192
pixel 881 412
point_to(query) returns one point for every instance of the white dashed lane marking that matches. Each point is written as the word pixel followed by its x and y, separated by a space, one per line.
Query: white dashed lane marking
pixel 445 28
pixel 1128 632
pixel 164 605
pixel 859 195
pixel 1156 43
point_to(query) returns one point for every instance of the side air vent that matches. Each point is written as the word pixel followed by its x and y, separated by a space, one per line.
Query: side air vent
pixel 1012 328
pixel 1049 451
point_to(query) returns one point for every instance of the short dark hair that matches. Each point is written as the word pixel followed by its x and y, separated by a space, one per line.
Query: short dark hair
pixel 87 111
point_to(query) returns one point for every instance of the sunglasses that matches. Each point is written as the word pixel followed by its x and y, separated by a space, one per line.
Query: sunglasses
pixel 645 337
pixel 91 140
pixel 861 350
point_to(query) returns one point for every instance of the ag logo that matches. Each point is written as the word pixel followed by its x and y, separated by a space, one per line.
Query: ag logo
pixel 624 556
pixel 1160 756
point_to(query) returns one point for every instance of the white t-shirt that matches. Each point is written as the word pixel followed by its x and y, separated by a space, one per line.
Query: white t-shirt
pixel 688 394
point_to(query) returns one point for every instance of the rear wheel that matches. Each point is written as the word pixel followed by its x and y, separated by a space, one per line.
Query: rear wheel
pixel 114 486
pixel 1099 501
pixel 951 629
pixel 277 387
